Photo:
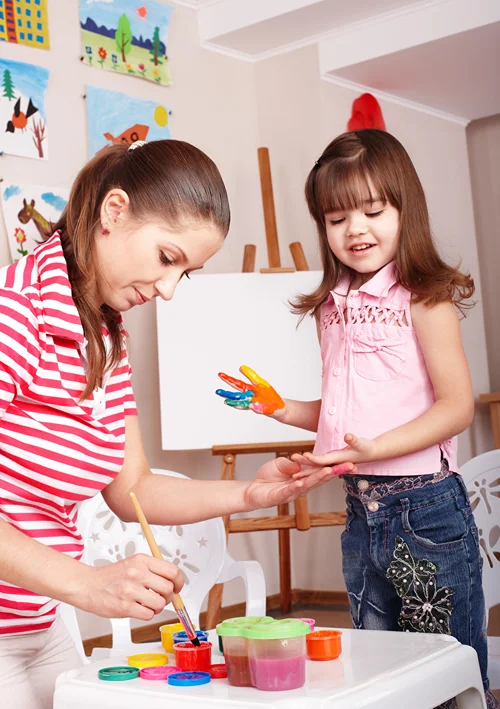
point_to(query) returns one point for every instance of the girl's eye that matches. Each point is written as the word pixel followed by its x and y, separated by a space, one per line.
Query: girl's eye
pixel 375 214
pixel 334 222
pixel 165 260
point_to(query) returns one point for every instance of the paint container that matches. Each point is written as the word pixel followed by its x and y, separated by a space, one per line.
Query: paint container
pixel 190 658
pixel 158 674
pixel 182 636
pixel 277 654
pixel 233 645
pixel 324 644
pixel 147 660
pixel 310 621
pixel 167 632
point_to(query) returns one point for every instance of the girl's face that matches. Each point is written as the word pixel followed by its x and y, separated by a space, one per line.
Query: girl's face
pixel 364 239
pixel 138 262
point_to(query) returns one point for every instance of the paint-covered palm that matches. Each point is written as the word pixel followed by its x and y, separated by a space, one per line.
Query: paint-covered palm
pixel 259 395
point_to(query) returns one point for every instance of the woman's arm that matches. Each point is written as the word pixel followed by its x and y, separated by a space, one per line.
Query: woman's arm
pixel 438 333
pixel 120 590
pixel 168 500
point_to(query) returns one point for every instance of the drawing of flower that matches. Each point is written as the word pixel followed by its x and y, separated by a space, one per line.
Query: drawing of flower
pixel 20 237
pixel 130 68
pixel 114 61
pixel 142 69
pixel 156 74
pixel 88 50
pixel 102 56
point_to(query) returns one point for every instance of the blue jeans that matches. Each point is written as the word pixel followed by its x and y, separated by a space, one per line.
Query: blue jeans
pixel 411 559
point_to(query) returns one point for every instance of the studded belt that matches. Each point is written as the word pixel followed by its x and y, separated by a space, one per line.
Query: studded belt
pixel 370 493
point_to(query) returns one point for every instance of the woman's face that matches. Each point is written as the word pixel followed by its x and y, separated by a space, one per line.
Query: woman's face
pixel 137 262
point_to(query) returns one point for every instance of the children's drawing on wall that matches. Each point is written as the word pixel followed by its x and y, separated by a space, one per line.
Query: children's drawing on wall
pixel 25 23
pixel 127 37
pixel 23 121
pixel 29 211
pixel 366 113
pixel 113 117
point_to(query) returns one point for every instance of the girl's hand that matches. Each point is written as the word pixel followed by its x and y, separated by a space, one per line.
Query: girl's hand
pixel 137 587
pixel 258 396
pixel 274 483
pixel 357 450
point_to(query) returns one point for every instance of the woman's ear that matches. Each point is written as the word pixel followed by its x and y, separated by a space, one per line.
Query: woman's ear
pixel 115 207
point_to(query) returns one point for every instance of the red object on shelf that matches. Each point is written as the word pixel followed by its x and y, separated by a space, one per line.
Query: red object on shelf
pixel 324 644
pixel 218 671
pixel 366 113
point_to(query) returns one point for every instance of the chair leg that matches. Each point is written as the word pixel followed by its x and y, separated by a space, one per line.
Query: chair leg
pixel 285 564
pixel 214 606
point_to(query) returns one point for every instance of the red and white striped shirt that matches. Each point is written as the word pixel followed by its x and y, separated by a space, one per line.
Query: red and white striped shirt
pixel 54 450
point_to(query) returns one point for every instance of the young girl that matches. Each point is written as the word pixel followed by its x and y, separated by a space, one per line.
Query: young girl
pixel 396 392
pixel 137 221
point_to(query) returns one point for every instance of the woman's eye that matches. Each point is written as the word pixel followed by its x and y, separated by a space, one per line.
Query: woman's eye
pixel 165 260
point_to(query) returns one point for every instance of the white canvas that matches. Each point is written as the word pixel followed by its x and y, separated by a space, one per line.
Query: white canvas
pixel 217 322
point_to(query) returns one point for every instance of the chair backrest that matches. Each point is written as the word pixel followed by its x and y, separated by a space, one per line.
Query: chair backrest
pixel 197 549
pixel 482 479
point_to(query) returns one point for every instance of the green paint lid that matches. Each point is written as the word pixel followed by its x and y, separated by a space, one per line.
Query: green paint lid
pixel 233 627
pixel 277 630
pixel 118 674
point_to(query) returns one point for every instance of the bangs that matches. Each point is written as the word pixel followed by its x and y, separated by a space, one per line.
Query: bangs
pixel 349 183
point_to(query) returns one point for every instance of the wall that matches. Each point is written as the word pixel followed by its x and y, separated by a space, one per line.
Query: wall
pixel 229 108
pixel 483 138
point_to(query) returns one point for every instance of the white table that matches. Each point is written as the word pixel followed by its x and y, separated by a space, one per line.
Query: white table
pixel 377 670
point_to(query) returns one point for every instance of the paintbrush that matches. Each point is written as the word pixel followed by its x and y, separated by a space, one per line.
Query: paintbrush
pixel 176 599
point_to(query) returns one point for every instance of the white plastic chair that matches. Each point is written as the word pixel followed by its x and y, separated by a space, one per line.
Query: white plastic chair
pixel 198 549
pixel 482 479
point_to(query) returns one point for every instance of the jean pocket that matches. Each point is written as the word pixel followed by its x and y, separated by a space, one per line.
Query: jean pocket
pixel 378 358
pixel 438 526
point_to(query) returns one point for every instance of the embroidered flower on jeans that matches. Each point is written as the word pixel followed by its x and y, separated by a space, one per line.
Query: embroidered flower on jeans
pixel 429 610
pixel 404 570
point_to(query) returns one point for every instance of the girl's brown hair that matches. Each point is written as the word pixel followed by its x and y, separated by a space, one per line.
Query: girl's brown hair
pixel 165 179
pixel 374 161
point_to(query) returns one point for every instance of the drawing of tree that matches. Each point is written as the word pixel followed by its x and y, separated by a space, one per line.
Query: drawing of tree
pixel 39 136
pixel 156 47
pixel 123 36
pixel 8 85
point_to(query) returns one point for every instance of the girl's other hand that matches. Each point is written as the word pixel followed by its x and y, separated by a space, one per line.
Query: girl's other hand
pixel 357 450
pixel 274 483
pixel 259 396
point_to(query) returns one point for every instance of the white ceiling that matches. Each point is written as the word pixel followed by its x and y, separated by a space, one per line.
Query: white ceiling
pixel 458 75
pixel 439 56
pixel 269 31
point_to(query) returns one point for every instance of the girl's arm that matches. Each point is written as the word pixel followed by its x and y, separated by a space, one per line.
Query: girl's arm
pixel 169 500
pixel 438 333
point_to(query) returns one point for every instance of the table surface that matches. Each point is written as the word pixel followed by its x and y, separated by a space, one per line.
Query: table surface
pixel 367 657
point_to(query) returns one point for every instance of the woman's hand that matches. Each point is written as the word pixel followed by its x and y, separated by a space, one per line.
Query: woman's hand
pixel 274 483
pixel 259 396
pixel 137 587
pixel 357 450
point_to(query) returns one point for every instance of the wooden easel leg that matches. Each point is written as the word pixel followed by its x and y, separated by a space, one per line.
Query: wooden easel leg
pixel 215 595
pixel 285 564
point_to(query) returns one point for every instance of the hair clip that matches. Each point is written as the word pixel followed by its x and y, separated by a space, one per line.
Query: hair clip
pixel 137 144
pixel 317 163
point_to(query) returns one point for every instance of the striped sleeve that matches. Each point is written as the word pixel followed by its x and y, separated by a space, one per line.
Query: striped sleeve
pixel 19 345
pixel 129 405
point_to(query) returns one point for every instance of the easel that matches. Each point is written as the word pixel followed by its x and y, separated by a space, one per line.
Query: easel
pixel 283 521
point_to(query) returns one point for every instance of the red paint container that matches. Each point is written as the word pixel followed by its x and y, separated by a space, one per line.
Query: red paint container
pixel 188 657
pixel 324 644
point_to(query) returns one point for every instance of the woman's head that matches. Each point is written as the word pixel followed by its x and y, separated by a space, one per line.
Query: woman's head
pixel 136 221
pixel 127 205
pixel 364 192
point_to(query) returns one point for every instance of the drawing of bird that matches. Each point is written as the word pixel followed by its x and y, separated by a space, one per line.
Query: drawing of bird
pixel 142 12
pixel 19 119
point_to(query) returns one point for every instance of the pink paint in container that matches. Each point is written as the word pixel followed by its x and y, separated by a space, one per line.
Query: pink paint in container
pixel 277 654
